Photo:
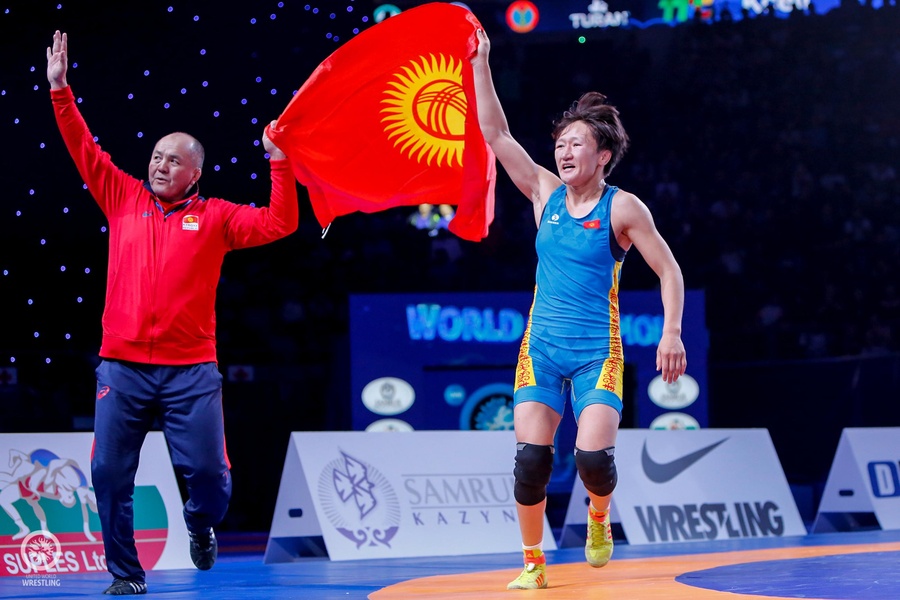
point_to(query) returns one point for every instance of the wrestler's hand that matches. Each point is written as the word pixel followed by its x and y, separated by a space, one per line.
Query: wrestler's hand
pixel 671 359
pixel 484 48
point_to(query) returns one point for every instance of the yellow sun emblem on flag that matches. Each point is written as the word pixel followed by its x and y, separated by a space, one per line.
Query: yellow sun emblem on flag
pixel 426 110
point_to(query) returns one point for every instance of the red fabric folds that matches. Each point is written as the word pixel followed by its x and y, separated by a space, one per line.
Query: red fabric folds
pixel 389 119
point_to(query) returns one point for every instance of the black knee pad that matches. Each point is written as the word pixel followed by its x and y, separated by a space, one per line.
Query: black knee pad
pixel 534 464
pixel 597 470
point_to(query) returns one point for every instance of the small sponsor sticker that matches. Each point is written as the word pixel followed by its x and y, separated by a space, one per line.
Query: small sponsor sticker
pixel 190 223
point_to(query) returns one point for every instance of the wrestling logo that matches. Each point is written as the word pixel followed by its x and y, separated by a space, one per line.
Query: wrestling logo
pixel 359 502
pixel 41 551
pixel 489 408
pixel 522 16
pixel 426 111
pixel 49 522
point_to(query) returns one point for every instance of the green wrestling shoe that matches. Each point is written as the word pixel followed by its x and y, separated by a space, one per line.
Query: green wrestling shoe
pixel 599 547
pixel 534 575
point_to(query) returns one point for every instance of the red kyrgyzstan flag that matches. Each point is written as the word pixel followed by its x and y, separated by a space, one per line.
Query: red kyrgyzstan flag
pixel 389 119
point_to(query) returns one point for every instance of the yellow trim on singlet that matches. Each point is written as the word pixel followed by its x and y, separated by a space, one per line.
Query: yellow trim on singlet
pixel 611 376
pixel 524 367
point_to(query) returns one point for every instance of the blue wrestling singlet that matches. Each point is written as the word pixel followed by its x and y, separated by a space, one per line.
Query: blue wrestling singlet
pixel 572 337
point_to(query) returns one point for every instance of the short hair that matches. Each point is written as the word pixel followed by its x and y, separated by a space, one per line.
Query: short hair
pixel 198 154
pixel 603 120
pixel 197 151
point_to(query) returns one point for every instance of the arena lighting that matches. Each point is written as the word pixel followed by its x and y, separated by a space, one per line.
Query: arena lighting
pixel 53 238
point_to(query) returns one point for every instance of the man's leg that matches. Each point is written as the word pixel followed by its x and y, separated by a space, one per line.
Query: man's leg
pixel 193 422
pixel 123 416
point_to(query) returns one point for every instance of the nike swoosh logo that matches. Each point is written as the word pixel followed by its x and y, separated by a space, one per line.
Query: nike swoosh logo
pixel 663 472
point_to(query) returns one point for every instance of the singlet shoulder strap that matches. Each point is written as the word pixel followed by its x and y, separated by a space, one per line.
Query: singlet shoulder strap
pixel 617 251
pixel 556 197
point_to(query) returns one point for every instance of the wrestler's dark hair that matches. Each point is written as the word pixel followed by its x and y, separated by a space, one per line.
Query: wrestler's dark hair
pixel 603 120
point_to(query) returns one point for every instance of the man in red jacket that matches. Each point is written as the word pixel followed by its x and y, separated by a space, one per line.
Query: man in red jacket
pixel 166 246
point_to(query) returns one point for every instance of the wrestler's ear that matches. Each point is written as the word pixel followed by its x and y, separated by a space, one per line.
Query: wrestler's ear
pixel 604 157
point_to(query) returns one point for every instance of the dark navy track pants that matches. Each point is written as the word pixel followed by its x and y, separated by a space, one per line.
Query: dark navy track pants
pixel 186 401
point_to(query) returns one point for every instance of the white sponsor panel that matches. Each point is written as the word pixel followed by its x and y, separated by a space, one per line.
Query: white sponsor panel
pixel 864 478
pixel 574 530
pixel 47 499
pixel 397 494
pixel 699 485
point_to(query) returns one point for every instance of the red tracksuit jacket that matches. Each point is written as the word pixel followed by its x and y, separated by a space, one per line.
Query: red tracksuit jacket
pixel 164 266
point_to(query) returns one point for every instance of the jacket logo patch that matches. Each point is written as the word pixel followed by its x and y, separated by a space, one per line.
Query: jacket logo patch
pixel 190 223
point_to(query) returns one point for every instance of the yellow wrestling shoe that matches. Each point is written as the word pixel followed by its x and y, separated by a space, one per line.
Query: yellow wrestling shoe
pixel 599 547
pixel 533 576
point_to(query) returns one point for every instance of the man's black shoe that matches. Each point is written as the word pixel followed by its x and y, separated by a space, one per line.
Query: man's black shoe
pixel 126 587
pixel 204 549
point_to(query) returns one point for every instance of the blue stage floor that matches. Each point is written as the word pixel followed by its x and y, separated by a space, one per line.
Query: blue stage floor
pixel 241 574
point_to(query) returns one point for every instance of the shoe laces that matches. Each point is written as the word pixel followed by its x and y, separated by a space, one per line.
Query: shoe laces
pixel 598 530
pixel 202 537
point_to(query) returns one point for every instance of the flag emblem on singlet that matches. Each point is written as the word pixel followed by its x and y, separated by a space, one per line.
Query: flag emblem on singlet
pixel 595 224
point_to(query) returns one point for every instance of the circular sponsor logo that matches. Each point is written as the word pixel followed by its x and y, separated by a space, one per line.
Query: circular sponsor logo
pixel 454 394
pixel 522 16
pixel 384 11
pixel 489 408
pixel 389 425
pixel 41 550
pixel 673 396
pixel 359 502
pixel 388 396
pixel 674 420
